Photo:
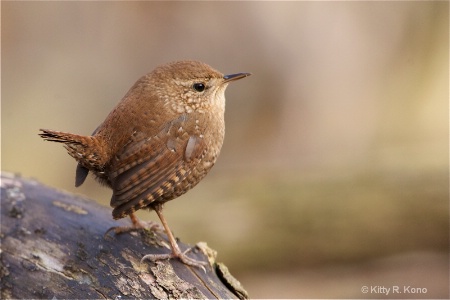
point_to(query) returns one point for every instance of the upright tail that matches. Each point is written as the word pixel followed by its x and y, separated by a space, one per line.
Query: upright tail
pixel 85 149
pixel 62 137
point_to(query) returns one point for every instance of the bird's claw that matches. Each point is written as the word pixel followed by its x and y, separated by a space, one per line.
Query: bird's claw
pixel 151 226
pixel 180 255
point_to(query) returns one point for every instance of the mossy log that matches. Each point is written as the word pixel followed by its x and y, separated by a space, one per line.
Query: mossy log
pixel 53 245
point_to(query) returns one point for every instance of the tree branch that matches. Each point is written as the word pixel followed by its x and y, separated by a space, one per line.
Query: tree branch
pixel 53 246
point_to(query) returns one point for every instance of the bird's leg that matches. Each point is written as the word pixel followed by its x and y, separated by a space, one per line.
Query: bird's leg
pixel 176 252
pixel 136 225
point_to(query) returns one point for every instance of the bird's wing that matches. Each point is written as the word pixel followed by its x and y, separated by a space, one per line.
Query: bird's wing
pixel 149 168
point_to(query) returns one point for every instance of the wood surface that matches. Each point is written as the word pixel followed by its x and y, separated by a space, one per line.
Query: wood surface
pixel 53 246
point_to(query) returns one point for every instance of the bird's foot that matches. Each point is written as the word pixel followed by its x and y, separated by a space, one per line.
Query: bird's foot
pixel 177 254
pixel 149 225
pixel 136 226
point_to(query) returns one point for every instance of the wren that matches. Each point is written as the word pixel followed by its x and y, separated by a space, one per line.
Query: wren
pixel 159 141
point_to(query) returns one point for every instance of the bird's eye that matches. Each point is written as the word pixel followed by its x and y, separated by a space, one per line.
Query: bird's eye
pixel 199 87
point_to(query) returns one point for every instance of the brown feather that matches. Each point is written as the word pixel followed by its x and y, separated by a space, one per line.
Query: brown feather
pixel 147 169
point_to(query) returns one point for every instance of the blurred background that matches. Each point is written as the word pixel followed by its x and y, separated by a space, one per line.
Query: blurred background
pixel 334 172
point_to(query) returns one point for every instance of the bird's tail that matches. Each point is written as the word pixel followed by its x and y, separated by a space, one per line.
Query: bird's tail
pixel 85 149
pixel 62 137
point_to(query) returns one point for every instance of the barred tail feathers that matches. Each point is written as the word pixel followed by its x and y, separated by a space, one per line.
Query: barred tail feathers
pixel 85 149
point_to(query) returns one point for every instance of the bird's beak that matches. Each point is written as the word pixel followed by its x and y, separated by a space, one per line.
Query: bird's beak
pixel 232 77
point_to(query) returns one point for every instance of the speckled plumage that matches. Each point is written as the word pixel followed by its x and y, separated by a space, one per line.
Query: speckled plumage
pixel 159 141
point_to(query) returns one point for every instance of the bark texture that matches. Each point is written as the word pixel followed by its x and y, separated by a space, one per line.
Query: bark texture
pixel 53 246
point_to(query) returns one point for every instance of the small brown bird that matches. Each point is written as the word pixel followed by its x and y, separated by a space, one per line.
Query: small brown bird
pixel 158 142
